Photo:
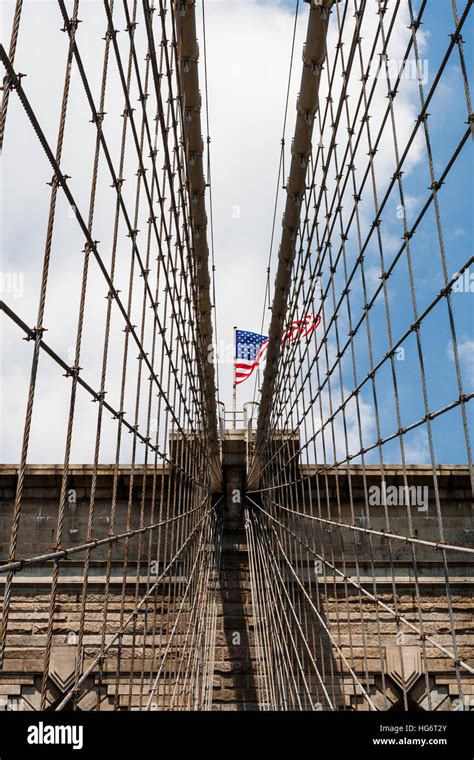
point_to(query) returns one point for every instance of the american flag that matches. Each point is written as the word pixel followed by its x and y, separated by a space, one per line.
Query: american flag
pixel 250 347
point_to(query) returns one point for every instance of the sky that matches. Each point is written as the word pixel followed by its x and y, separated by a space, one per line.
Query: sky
pixel 248 51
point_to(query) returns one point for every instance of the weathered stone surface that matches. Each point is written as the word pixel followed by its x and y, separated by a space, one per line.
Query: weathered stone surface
pixel 361 629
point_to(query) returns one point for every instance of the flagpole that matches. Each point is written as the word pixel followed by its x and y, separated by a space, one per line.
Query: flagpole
pixel 234 386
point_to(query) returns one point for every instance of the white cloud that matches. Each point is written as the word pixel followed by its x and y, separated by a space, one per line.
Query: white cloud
pixel 248 50
pixel 466 359
pixel 416 447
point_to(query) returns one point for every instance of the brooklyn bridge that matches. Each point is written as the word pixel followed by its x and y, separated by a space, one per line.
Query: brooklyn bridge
pixel 304 544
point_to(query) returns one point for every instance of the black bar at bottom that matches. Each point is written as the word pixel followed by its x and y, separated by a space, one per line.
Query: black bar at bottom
pixel 135 734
